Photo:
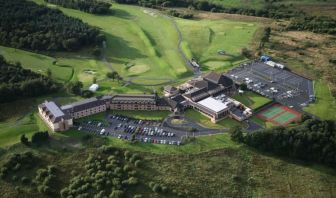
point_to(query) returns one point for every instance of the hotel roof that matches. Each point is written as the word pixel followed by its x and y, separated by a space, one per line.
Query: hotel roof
pixel 218 79
pixel 54 109
pixel 213 104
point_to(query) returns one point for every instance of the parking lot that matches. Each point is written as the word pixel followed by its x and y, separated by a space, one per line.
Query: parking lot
pixel 124 127
pixel 281 85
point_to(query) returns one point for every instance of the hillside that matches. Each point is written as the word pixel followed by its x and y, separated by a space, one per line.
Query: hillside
pixel 232 170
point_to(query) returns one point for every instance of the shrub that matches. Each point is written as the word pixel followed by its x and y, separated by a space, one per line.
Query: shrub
pixel 127 155
pixel 137 163
pixel 14 178
pixel 17 167
pixel 25 180
pixel 116 194
pixel 127 168
pixel 156 188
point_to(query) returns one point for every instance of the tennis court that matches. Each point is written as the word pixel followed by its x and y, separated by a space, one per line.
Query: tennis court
pixel 279 115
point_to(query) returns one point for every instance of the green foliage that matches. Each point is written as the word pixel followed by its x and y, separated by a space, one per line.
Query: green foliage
pixel 183 15
pixel 90 6
pixel 312 141
pixel 237 134
pixel 17 82
pixel 75 87
pixel 39 138
pixel 28 26
pixel 16 163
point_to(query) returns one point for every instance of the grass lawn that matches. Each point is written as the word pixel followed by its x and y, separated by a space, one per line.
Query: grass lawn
pixel 252 100
pixel 10 132
pixel 200 144
pixel 68 68
pixel 138 37
pixel 196 116
pixel 203 38
pixel 143 115
pixel 325 105
pixel 262 122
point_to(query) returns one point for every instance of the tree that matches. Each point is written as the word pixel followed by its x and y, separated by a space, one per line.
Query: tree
pixel 75 88
pixel 243 87
pixel 237 135
pixel 96 52
pixel 246 53
pixel 24 140
pixel 40 137
pixel 113 75
pixel 49 73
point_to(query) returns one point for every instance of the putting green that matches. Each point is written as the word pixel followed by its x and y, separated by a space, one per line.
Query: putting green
pixel 205 37
pixel 138 69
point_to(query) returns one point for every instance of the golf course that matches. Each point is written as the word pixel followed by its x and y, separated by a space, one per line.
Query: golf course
pixel 142 46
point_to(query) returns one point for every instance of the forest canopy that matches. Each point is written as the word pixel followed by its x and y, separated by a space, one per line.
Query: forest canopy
pixel 313 141
pixel 26 25
pixel 90 6
pixel 17 82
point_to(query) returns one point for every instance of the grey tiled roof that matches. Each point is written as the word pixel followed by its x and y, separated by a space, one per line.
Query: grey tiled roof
pixel 83 105
pixel 218 79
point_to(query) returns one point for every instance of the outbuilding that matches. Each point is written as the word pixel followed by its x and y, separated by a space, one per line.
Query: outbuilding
pixel 94 87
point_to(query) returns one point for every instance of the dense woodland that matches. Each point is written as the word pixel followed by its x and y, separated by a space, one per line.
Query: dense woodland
pixel 17 82
pixel 313 141
pixel 302 21
pixel 90 6
pixel 26 25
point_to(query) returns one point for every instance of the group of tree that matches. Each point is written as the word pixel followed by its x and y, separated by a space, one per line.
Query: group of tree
pixel 17 82
pixel 75 88
pixel 317 24
pixel 16 163
pixel 269 10
pixel 265 37
pixel 114 76
pixel 184 14
pixel 38 138
pixel 45 180
pixel 313 141
pixel 90 6
pixel 27 25
pixel 110 173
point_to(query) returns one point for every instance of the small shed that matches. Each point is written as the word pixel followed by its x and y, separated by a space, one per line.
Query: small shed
pixel 94 87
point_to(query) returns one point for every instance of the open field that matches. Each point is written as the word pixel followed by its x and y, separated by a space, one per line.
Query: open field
pixel 11 131
pixel 196 116
pixel 325 105
pixel 203 39
pixel 252 99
